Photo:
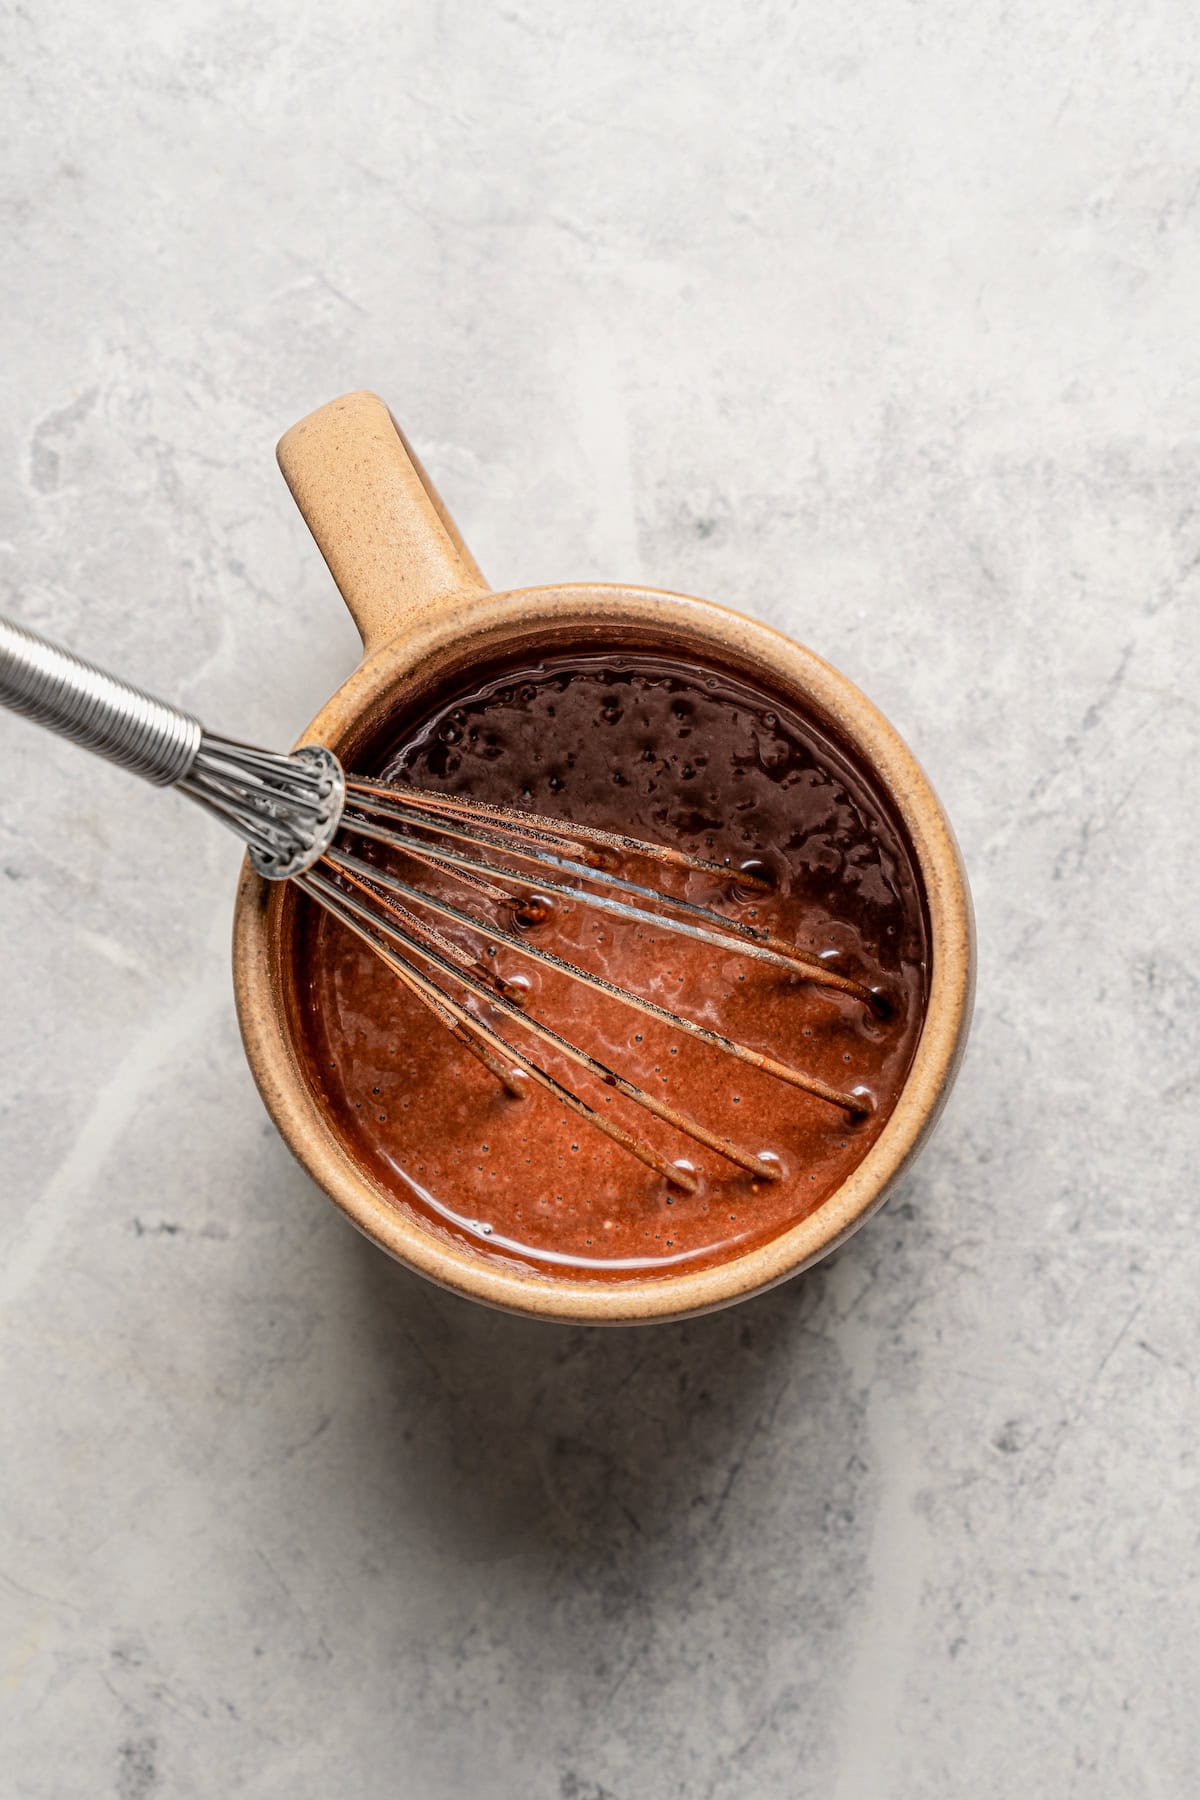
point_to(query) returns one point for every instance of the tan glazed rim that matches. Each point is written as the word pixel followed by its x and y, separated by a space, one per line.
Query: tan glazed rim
pixel 424 613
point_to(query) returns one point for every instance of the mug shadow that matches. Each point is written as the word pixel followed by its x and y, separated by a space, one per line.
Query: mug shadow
pixel 581 1444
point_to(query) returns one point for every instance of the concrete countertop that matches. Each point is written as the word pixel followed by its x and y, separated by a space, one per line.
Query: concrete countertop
pixel 877 322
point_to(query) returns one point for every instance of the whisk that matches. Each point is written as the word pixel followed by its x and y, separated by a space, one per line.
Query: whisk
pixel 304 819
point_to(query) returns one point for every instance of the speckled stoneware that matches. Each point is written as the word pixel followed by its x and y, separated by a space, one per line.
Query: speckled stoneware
pixel 425 613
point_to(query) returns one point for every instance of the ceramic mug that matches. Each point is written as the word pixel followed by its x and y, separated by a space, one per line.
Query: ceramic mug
pixel 426 614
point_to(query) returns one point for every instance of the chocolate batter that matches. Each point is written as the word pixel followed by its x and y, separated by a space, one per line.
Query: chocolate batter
pixel 677 754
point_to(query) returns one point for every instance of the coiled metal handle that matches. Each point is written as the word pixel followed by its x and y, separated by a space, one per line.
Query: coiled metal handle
pixel 81 702
pixel 285 809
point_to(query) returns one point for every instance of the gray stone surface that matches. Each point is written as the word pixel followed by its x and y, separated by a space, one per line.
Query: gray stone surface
pixel 878 321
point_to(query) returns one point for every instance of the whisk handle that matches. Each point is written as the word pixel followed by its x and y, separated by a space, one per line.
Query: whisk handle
pixel 83 703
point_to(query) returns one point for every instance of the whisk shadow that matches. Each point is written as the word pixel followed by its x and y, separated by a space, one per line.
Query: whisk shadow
pixel 580 1444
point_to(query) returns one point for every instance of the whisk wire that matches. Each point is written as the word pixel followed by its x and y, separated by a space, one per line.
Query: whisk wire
pixel 849 1103
pixel 353 916
pixel 681 1120
pixel 696 921
pixel 287 809
pixel 527 825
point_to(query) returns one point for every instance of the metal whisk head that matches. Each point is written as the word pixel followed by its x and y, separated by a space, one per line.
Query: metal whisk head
pixel 389 910
pixel 286 809
pixel 303 819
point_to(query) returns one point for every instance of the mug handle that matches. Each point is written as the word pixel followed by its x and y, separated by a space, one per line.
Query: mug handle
pixel 391 546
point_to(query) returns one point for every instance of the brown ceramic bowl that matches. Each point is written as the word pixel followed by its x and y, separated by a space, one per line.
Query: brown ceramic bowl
pixel 425 614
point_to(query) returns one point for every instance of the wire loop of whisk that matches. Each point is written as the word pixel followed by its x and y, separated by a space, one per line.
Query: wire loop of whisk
pixel 295 814
pixel 384 910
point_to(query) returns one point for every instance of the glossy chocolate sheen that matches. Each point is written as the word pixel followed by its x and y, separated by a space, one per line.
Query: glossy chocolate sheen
pixel 678 754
